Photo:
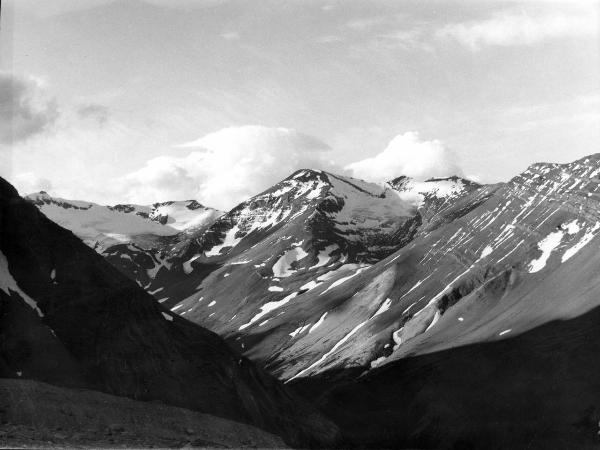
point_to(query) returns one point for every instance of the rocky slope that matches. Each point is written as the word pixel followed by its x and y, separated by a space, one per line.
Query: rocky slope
pixel 506 266
pixel 470 265
pixel 69 318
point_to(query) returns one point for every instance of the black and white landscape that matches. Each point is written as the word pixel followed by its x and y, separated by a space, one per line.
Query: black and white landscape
pixel 259 288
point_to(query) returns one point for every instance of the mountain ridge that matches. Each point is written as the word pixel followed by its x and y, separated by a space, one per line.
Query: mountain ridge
pixel 94 328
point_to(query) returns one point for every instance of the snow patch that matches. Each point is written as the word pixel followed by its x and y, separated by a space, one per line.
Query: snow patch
pixel 324 256
pixel 268 307
pixel 8 283
pixel 187 265
pixel 547 246
pixel 384 307
pixel 282 268
pixel 487 251
pixel 343 280
pixel 229 241
pixel 319 322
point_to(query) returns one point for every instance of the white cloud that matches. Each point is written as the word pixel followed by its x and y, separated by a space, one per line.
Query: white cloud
pixel 28 183
pixel 229 166
pixel 230 35
pixel 407 154
pixel 522 27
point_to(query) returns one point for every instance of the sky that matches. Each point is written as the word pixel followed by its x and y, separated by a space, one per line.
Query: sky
pixel 141 101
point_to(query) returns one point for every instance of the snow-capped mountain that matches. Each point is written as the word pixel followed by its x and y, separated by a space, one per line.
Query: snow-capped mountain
pixel 101 226
pixel 323 271
pixel 303 282
pixel 67 317
pixel 308 224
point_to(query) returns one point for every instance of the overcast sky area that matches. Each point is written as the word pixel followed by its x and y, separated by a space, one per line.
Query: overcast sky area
pixel 151 100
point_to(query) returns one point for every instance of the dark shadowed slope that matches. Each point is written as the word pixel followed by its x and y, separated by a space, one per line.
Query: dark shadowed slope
pixel 70 318
pixel 539 390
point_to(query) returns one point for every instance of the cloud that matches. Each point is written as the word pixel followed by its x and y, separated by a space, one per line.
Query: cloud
pixel 230 35
pixel 228 166
pixel 365 23
pixel 94 111
pixel 24 108
pixel 521 27
pixel 28 183
pixel 407 154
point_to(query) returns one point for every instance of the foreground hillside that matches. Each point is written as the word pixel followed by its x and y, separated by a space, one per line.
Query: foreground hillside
pixel 69 318
pixel 34 414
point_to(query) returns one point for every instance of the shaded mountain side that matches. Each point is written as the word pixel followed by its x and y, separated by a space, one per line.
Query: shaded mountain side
pixel 35 414
pixel 539 390
pixel 116 338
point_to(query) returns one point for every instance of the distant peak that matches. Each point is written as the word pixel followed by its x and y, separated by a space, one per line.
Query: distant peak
pixel 306 175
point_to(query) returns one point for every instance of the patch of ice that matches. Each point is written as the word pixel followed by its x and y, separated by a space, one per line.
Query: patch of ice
pixel 502 333
pixel 275 289
pixel 213 303
pixel 167 316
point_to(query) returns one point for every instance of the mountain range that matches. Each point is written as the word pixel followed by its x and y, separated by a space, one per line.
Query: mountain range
pixel 431 314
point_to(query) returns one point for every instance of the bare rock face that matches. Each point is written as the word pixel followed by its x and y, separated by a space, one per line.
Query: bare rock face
pixel 70 318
